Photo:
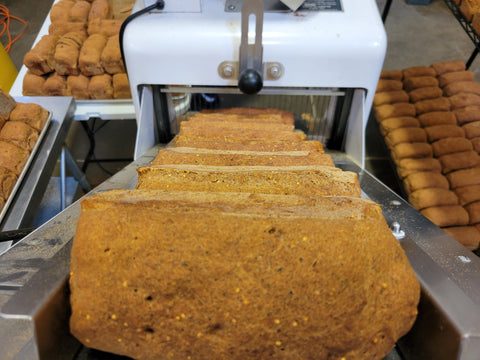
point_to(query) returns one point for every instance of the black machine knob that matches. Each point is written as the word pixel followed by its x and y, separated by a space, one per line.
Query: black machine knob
pixel 250 81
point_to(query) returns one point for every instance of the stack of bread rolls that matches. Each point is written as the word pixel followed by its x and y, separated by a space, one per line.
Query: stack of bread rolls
pixel 429 116
pixel 20 126
pixel 80 56
pixel 241 241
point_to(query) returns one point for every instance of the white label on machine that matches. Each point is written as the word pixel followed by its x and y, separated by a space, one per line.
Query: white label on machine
pixel 321 5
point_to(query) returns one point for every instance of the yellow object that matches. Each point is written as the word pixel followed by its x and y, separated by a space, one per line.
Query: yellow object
pixel 8 72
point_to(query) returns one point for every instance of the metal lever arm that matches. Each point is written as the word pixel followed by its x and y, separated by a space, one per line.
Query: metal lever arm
pixel 250 80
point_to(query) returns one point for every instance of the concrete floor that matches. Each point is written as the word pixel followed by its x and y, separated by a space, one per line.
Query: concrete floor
pixel 417 35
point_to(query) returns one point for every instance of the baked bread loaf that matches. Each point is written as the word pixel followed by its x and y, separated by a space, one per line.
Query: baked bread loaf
pixel 100 9
pixel 428 197
pixel 19 134
pixel 450 215
pixel 391 124
pixel 467 114
pixel 438 132
pixel 462 86
pixel 77 86
pixel 100 87
pixel 106 27
pixel 389 85
pixel 464 177
pixel 437 118
pixel 8 179
pixel 389 97
pixel 425 179
pixel 413 83
pixel 391 74
pixel 451 145
pixel 429 105
pixel 448 66
pixel 238 276
pixel 31 114
pixel 67 52
pixel 416 71
pixel 425 93
pixel 463 99
pixel 40 59
pixel 55 85
pixel 79 11
pixel 451 77
pixel 60 28
pixel 60 10
pixel 468 236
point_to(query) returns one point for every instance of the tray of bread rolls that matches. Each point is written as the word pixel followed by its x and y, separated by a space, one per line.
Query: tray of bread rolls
pixel 23 126
pixel 430 119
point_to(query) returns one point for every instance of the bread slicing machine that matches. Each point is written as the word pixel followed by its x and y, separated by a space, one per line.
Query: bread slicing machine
pixel 320 61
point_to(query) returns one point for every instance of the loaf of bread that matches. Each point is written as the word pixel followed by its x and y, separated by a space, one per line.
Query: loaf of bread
pixel 192 156
pixel 391 124
pixel 413 83
pixel 468 194
pixel 386 111
pixel 451 145
pixel 249 145
pixel 8 179
pixel 121 86
pixel 462 86
pixel 430 105
pixel 19 134
pixel 450 215
pixel 33 85
pixel 467 114
pixel 7 104
pixel 429 197
pixel 411 150
pixel 472 129
pixel 77 86
pixel 473 210
pixel 408 166
pixel 238 276
pixel 391 74
pixel 438 132
pixel 405 135
pixel 60 28
pixel 451 77
pixel 459 160
pixel 67 52
pixel 111 57
pixel 40 59
pixel 311 180
pixel 464 177
pixel 463 99
pixel 79 11
pixel 448 66
pixel 476 144
pixel 89 57
pixel 12 157
pixel 100 87
pixel 389 85
pixel 31 114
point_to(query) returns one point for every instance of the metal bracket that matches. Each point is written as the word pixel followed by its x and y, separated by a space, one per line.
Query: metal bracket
pixel 271 70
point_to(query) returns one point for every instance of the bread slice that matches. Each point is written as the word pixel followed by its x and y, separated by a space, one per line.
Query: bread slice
pixel 303 180
pixel 193 156
pixel 238 276
pixel 287 116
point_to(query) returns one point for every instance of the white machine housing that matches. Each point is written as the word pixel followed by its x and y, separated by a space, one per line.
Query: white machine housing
pixel 185 43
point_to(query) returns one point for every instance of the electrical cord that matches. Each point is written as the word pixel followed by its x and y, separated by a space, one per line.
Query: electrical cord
pixel 159 5
pixel 5 18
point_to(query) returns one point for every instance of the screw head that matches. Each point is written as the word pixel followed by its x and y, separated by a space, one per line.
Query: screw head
pixel 227 70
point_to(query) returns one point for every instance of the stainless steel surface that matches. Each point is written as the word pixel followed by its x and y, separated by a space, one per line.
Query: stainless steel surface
pixel 33 273
pixel 25 202
pixel 269 5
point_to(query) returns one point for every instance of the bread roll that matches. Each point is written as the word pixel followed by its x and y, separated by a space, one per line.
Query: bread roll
pixel 106 27
pixel 464 177
pixel 428 197
pixel 451 145
pixel 89 58
pixel 386 111
pixel 467 114
pixel 416 71
pixel 389 85
pixel 391 124
pixel 411 150
pixel 468 194
pixel 77 86
pixel 425 179
pixel 111 57
pixel 462 86
pixel 413 83
pixel 55 85
pixel 389 97
pixel 437 118
pixel 40 59
pixel 468 236
pixel 67 52
pixel 8 179
pixel 438 132
pixel 473 210
pixel 79 11
pixel 19 134
pixel 448 66
pixel 453 77
pixel 31 114
pixel 459 160
pixel 121 86
pixel 60 28
pixel 60 9
pixel 100 9
pixel 424 93
pixel 391 74
pixel 472 129
pixel 450 215
pixel 12 157
pixel 409 166
pixel 430 105
pixel 461 100
pixel 33 84
pixel 7 104
pixel 100 87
